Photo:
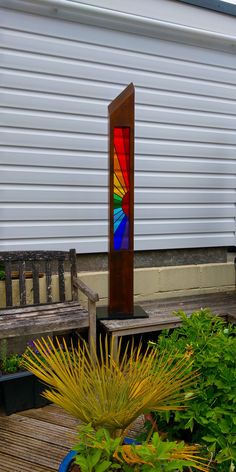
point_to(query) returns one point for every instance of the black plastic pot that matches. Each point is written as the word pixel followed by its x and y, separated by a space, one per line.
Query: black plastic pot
pixel 21 391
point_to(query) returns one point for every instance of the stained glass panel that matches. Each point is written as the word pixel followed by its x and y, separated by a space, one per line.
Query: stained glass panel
pixel 121 185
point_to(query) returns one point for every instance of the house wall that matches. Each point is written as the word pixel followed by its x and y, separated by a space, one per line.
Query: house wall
pixel 59 72
pixel 150 283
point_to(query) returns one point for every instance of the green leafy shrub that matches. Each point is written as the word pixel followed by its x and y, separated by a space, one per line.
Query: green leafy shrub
pixel 2 272
pixel 211 414
pixel 98 451
pixel 10 364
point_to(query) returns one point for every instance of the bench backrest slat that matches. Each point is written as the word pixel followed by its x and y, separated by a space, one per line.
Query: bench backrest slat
pixel 73 262
pixel 48 270
pixel 35 273
pixel 8 283
pixel 21 267
pixel 39 263
pixel 61 280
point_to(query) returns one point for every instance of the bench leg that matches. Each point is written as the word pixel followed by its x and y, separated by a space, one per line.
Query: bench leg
pixel 92 326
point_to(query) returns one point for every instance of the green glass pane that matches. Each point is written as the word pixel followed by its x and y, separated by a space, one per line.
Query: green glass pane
pixel 116 197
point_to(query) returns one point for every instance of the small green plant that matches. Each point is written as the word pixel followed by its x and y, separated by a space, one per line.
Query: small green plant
pixel 2 272
pixel 211 415
pixel 97 451
pixel 10 364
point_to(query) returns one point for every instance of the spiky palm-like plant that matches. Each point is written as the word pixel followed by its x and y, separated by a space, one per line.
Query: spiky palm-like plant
pixel 113 390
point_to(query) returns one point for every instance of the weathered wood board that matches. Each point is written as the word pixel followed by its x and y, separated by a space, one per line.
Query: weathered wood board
pixel 161 313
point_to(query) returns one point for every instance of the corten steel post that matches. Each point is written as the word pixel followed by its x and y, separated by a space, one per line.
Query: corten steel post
pixel 121 203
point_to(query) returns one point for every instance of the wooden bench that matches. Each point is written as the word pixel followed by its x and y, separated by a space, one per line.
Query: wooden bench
pixel 39 318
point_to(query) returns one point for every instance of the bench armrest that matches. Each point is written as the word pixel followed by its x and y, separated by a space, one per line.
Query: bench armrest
pixel 90 294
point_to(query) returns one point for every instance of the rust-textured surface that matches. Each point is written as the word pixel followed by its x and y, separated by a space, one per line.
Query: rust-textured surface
pixel 161 313
pixel 121 114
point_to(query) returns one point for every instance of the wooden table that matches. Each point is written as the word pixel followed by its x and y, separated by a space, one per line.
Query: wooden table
pixel 161 314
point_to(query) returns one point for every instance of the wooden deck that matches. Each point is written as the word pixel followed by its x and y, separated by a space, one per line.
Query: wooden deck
pixel 160 313
pixel 35 440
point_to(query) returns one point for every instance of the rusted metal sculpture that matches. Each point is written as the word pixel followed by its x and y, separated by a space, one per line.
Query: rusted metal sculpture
pixel 121 210
pixel 121 203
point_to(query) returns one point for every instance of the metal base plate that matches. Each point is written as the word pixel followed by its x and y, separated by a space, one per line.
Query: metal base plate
pixel 102 314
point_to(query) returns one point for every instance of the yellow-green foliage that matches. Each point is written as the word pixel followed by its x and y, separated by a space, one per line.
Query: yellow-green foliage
pixel 97 451
pixel 113 390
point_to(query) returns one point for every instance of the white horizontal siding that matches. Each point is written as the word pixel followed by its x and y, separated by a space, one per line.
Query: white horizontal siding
pixel 90 178
pixel 11 212
pixel 92 100
pixel 107 73
pixel 57 79
pixel 82 125
pixel 62 194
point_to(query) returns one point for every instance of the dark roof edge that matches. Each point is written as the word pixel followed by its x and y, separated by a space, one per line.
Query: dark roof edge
pixel 215 5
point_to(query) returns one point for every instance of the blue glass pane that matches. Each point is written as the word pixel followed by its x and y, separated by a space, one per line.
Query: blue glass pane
pixel 118 221
pixel 119 234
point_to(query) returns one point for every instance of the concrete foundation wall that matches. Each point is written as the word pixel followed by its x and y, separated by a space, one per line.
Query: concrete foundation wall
pixel 165 282
pixel 149 283
pixel 171 257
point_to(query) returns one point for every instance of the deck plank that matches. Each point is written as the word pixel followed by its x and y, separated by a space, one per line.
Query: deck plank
pixel 36 440
pixel 35 451
pixel 51 417
pixel 35 428
pixel 10 464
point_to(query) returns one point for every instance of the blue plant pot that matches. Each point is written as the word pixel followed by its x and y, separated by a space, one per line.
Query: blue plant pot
pixel 129 441
pixel 66 463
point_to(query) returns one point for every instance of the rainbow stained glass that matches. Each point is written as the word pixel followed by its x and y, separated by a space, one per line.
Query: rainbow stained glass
pixel 121 189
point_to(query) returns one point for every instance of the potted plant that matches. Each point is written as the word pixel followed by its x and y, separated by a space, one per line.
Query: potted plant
pixel 107 393
pixel 98 451
pixel 19 389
